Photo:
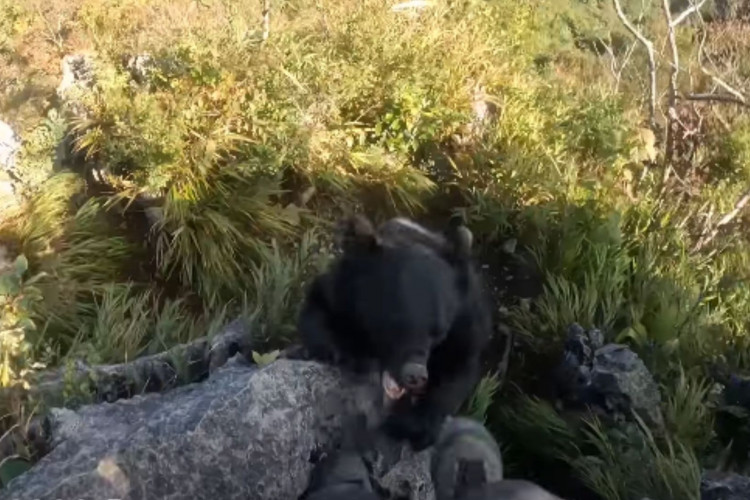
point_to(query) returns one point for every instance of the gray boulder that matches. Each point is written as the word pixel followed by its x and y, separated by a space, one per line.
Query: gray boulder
pixel 724 486
pixel 245 433
pixel 8 196
pixel 624 382
pixel 10 144
pixel 610 378
pixel 77 76
pixel 574 371
pixel 141 67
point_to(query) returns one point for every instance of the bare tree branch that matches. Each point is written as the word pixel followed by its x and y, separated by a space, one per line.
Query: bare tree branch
pixel 737 207
pixel 266 19
pixel 728 217
pixel 615 68
pixel 736 93
pixel 649 46
pixel 673 73
pixel 727 98
pixel 740 98
pixel 686 13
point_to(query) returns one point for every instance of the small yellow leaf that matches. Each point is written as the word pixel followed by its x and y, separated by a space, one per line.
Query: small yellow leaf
pixel 265 359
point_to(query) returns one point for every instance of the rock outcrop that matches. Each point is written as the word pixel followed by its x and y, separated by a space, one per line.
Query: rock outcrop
pixel 610 378
pixel 245 433
pixel 182 364
pixel 724 486
pixel 77 76
pixel 10 145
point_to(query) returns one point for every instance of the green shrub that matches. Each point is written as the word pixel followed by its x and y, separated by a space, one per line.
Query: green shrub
pixel 37 158
pixel 210 233
pixel 17 296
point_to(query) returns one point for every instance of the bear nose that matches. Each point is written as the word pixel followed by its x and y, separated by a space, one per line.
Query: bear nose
pixel 414 376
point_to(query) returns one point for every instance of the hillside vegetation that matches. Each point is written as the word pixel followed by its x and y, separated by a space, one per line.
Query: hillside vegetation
pixel 198 175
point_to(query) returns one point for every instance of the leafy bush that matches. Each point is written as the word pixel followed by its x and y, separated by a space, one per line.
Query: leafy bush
pixel 587 265
pixel 17 295
pixel 36 162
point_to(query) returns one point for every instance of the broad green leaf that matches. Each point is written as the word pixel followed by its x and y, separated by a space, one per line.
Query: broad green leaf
pixel 21 264
pixel 26 324
pixel 671 346
pixel 9 284
pixel 35 278
pixel 11 469
pixel 662 323
pixel 265 359
pixel 636 333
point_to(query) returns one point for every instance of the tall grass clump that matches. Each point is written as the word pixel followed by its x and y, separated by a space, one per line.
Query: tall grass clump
pixel 128 322
pixel 280 282
pixel 483 397
pixel 633 463
pixel 618 463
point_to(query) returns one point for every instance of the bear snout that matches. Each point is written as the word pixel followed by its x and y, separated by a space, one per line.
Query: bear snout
pixel 414 376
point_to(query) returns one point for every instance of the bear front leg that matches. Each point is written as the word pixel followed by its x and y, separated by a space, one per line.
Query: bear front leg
pixel 314 324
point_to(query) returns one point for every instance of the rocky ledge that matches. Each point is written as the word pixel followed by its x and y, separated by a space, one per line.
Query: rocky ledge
pixel 246 432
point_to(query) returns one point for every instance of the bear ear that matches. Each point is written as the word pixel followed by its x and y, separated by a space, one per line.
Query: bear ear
pixel 357 233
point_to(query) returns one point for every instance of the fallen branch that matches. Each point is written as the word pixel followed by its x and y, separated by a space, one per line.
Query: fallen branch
pixel 613 67
pixel 649 46
pixel 740 98
pixel 729 217
pixel 183 364
pixel 684 15
pixel 721 83
pixel 737 207
pixel 725 98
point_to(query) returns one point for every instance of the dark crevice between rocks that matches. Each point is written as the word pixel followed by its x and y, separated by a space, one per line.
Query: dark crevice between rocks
pixel 74 386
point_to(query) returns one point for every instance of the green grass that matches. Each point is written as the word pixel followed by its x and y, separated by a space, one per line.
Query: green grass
pixel 618 463
pixel 635 463
pixel 483 398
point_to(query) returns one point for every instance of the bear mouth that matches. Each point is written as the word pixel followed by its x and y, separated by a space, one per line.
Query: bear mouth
pixel 391 388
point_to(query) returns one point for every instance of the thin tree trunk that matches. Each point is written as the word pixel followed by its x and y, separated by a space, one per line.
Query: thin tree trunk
pixel 266 19
pixel 673 74
pixel 649 46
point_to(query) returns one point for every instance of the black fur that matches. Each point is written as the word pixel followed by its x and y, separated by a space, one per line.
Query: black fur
pixel 395 295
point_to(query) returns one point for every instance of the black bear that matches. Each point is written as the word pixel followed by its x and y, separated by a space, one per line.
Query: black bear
pixel 410 300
